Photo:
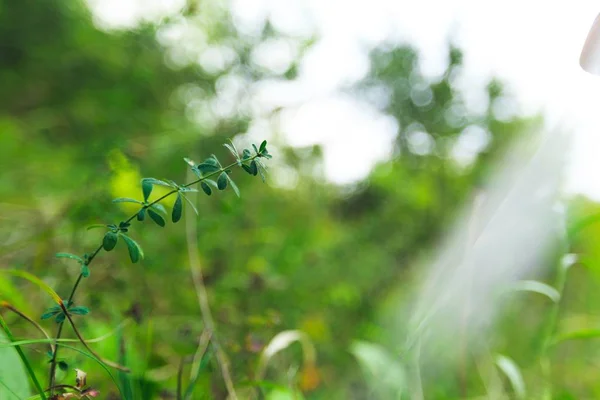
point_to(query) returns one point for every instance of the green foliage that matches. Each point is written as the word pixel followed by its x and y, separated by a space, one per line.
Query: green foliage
pixel 134 249
pixel 222 181
pixel 110 240
pixel 84 111
pixel 177 209
pixel 156 217
pixel 206 188
pixel 146 188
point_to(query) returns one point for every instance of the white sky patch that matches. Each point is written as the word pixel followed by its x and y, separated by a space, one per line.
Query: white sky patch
pixel 532 46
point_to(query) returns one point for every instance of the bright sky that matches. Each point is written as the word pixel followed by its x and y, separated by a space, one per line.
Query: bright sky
pixel 533 46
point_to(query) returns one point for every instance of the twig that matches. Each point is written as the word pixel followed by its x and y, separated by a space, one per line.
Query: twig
pixel 196 270
pixel 8 306
pixel 95 253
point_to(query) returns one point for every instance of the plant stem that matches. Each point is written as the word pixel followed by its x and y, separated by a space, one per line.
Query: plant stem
pixel 51 379
pixel 202 294
pixel 24 359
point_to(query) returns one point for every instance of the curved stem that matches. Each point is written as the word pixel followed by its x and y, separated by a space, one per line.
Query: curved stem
pixel 51 379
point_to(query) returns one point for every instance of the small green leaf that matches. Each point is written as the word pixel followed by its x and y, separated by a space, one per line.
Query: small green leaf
pixel 206 168
pixel 261 170
pixel 246 154
pixel 85 270
pixel 232 150
pixel 211 183
pixel 187 189
pixel 222 181
pixel 110 241
pixel 206 188
pixel 213 160
pixel 233 186
pixel 63 366
pixel 247 169
pixel 95 226
pixel 141 214
pixel 126 200
pixel 255 149
pixel 263 146
pixel 190 203
pixel 177 208
pixel 158 182
pixel 159 207
pixel 79 310
pixel 60 318
pixel 69 255
pixel 189 162
pixel 156 217
pixel 135 251
pixel 146 188
pixel 49 314
pixel 254 168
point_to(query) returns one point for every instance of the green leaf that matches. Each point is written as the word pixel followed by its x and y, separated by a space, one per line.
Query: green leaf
pixel 159 207
pixel 233 186
pixel 255 149
pixel 190 203
pixel 110 241
pixel 261 170
pixel 536 287
pixel 263 146
pixel 62 365
pixel 513 373
pixel 222 181
pixel 206 168
pixel 158 182
pixel 126 200
pixel 246 154
pixel 85 270
pixel 79 310
pixel 189 162
pixel 141 214
pixel 49 314
pixel 146 188
pixel 156 217
pixel 60 318
pixel 69 255
pixel 95 226
pixel 135 251
pixel 247 169
pixel 15 383
pixel 177 208
pixel 232 150
pixel 253 168
pixel 211 182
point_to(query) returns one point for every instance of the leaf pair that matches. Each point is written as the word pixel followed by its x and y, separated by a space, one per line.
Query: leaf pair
pixel 110 241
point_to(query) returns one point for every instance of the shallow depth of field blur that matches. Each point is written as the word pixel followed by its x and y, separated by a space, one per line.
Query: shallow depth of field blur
pixel 428 226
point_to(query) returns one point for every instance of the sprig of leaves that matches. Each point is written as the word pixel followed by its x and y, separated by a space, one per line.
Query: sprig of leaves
pixel 248 160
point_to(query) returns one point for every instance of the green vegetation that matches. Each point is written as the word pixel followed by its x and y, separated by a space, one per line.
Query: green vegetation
pixel 279 293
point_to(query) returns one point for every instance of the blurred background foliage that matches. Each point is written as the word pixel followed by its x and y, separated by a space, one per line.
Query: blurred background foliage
pixel 86 113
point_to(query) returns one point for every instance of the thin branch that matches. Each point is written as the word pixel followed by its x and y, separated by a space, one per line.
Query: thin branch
pixel 51 379
pixel 8 306
pixel 82 340
pixel 196 270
